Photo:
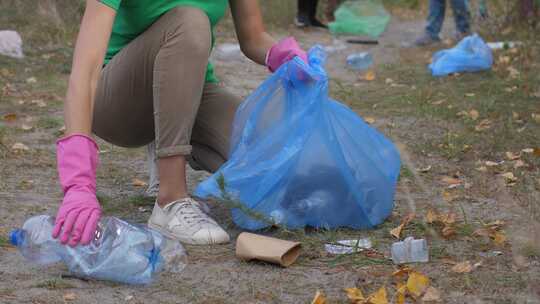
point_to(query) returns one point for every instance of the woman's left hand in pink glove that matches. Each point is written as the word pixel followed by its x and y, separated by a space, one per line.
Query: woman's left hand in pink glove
pixel 283 51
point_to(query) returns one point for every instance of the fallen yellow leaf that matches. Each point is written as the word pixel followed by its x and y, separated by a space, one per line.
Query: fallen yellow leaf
pixel 369 76
pixel 369 120
pixel 495 224
pixel 432 295
pixel 536 152
pixel 499 238
pixel 138 183
pixel 319 298
pixel 10 117
pixel 355 295
pixel 483 125
pixel 379 297
pixel 470 94
pixel 431 217
pixel 402 271
pixel 401 291
pixel 448 231
pixel 448 218
pixel 451 180
pixel 417 284
pixel 463 267
pixel 396 232
pixel 512 156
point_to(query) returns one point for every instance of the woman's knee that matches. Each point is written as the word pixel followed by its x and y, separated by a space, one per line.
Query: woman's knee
pixel 191 28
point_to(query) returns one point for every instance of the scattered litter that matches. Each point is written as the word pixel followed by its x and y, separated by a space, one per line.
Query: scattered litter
pixel 70 297
pixel 31 80
pixel 424 170
pixel 128 298
pixel 348 246
pixel 470 55
pixel 366 18
pixel 251 246
pixel 490 254
pixel 360 61
pixel 336 46
pixel 11 44
pixel 319 298
pixel 410 251
pixel 142 209
pixel 229 52
pixel 26 127
pixel 493 164
pixel 38 102
pixel 19 147
pixel 502 45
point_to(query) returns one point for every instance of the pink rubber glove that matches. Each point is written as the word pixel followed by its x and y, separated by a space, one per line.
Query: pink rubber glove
pixel 283 51
pixel 77 218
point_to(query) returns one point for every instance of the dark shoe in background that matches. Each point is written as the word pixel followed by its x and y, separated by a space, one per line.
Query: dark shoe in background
pixel 426 40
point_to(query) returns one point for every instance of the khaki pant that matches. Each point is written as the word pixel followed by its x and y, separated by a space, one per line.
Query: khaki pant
pixel 154 90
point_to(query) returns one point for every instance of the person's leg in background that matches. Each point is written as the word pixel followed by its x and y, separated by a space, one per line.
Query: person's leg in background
pixel 331 6
pixel 437 9
pixel 462 17
pixel 151 90
pixel 302 13
pixel 307 14
pixel 313 15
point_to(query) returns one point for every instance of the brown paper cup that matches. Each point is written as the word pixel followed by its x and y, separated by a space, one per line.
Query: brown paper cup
pixel 251 246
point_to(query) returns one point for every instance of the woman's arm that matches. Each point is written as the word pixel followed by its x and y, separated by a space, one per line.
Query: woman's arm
pixel 255 42
pixel 88 58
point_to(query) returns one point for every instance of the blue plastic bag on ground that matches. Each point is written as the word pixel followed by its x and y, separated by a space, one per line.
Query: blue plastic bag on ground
pixel 471 54
pixel 300 159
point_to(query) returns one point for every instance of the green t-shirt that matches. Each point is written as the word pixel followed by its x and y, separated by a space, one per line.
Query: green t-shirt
pixel 134 16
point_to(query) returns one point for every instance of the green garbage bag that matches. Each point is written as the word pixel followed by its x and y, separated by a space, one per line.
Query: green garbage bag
pixel 360 17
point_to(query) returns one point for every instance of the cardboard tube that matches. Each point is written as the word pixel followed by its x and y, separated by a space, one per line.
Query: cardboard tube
pixel 251 246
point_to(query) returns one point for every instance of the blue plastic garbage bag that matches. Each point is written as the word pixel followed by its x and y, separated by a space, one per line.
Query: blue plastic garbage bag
pixel 471 54
pixel 300 159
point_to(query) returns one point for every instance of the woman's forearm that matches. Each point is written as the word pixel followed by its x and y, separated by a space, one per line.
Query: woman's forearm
pixel 256 49
pixel 254 40
pixel 87 61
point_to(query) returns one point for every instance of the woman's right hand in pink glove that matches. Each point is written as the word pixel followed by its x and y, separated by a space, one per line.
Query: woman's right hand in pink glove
pixel 77 217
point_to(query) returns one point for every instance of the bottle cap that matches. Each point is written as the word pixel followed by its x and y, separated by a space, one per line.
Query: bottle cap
pixel 16 237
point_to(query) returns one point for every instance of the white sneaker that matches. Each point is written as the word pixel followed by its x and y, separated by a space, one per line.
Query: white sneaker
pixel 185 221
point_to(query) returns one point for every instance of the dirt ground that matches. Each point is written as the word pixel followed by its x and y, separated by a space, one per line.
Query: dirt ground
pixel 444 170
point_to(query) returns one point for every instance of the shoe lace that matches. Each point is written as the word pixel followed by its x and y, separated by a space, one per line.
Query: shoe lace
pixel 191 213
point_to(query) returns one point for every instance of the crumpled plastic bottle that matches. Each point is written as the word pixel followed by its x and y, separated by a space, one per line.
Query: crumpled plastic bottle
pixel 120 251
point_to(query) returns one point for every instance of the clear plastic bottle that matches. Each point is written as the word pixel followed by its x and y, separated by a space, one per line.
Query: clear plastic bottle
pixel 120 251
pixel 360 61
pixel 410 251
